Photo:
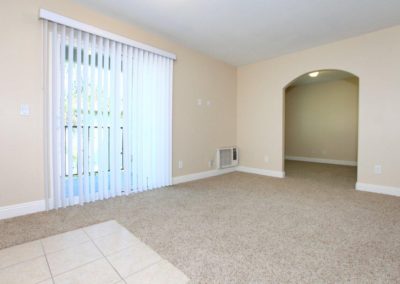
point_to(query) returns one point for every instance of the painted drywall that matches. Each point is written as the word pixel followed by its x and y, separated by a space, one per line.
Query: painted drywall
pixel 197 130
pixel 321 120
pixel 374 58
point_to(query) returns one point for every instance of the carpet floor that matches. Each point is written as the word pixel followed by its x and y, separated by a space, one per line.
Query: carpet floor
pixel 309 227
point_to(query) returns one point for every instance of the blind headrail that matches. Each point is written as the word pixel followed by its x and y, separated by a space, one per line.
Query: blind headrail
pixel 59 19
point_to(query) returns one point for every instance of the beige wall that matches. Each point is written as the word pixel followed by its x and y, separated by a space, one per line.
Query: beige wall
pixel 321 120
pixel 197 131
pixel 374 58
pixel 246 103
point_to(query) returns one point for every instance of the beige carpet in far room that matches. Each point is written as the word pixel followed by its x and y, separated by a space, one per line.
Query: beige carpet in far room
pixel 310 227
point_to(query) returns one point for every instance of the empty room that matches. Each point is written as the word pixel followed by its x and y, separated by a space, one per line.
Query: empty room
pixel 321 122
pixel 199 141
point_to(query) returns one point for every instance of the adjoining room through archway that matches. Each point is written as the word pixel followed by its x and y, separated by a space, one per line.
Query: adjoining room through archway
pixel 321 118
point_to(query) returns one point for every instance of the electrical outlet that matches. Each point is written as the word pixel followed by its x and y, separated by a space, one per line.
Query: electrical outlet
pixel 180 164
pixel 210 163
pixel 377 169
pixel 266 159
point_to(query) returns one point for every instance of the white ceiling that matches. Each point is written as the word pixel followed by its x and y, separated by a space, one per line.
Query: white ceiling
pixel 323 76
pixel 245 31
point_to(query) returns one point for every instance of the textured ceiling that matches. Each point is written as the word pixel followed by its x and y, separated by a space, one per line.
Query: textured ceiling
pixel 241 32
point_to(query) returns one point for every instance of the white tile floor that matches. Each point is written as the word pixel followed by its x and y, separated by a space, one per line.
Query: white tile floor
pixel 102 253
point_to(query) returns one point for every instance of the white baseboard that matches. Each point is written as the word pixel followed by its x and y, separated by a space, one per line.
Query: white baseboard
pixel 278 174
pixel 322 161
pixel 22 209
pixel 201 175
pixel 389 190
pixel 39 205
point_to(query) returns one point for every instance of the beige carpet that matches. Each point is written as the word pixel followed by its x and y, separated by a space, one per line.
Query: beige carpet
pixel 310 227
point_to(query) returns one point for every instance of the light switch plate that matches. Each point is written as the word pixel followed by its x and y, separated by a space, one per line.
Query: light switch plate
pixel 24 110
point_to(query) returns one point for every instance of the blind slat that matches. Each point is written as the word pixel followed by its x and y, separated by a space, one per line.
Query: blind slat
pixel 109 125
pixel 69 117
pixel 86 118
pixel 80 122
pixel 92 118
pixel 61 118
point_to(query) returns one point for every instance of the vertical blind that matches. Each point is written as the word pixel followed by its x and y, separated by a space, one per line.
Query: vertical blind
pixel 108 117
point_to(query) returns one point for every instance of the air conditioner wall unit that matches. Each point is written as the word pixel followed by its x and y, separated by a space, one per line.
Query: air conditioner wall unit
pixel 227 157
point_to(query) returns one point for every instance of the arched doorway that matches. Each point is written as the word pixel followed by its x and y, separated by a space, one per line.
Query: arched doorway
pixel 321 118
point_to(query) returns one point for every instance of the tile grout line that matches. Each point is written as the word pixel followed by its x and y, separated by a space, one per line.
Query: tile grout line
pixel 146 267
pixel 26 260
pixel 77 228
pixel 69 270
pixel 118 251
pixel 106 235
pixel 84 264
pixel 45 256
pixel 104 256
pixel 66 248
pixel 92 240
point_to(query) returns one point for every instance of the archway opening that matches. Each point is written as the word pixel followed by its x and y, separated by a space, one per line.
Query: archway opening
pixel 321 120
